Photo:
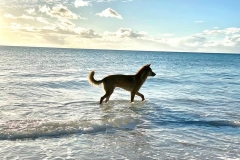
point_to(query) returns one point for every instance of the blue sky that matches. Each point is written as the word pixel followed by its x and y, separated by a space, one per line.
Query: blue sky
pixel 161 25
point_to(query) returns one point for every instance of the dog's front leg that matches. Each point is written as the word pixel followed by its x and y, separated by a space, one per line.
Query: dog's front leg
pixel 132 96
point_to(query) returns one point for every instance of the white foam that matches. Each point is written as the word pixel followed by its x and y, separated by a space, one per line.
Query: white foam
pixel 23 129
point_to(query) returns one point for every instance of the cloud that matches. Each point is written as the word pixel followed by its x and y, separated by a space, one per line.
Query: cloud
pixel 58 11
pixel 109 13
pixel 26 17
pixel 228 41
pixel 126 33
pixel 105 0
pixel 87 33
pixel 198 21
pixel 30 11
pixel 7 15
pixel 59 40
pixel 81 3
pixel 44 9
pixel 225 40
pixel 80 17
pixel 100 1
pixel 227 31
pixel 62 28
pixel 10 16
pixel 39 19
pixel 231 30
pixel 194 40
pixel 65 23
pixel 25 28
pixel 234 39
pixel 42 20
pixel 54 1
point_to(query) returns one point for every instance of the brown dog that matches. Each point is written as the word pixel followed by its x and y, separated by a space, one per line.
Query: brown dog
pixel 131 83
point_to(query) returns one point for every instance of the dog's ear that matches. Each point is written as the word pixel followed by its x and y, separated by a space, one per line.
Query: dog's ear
pixel 147 65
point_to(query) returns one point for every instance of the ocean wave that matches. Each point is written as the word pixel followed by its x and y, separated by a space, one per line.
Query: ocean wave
pixel 224 123
pixel 216 123
pixel 32 129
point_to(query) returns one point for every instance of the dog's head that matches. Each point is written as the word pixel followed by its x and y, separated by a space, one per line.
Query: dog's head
pixel 149 70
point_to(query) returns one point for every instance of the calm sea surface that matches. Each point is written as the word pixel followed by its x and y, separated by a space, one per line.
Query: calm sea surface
pixel 48 110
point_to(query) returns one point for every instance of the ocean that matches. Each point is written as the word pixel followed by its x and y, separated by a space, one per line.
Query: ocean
pixel 48 110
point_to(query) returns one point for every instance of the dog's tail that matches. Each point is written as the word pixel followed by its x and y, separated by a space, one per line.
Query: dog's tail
pixel 91 79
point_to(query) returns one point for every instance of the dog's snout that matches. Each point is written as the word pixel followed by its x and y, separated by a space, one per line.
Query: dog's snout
pixel 153 74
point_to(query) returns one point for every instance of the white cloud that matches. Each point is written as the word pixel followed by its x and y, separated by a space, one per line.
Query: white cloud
pixel 231 30
pixel 225 40
pixel 227 31
pixel 193 41
pixel 25 28
pixel 30 11
pixel 55 1
pixel 7 15
pixel 81 32
pixel 86 33
pixel 26 17
pixel 54 39
pixel 126 33
pixel 105 0
pixel 109 13
pixel 42 20
pixel 212 32
pixel 80 17
pixel 44 9
pixel 198 21
pixel 15 26
pixel 232 40
pixel 64 27
pixel 65 23
pixel 58 11
pixel 81 3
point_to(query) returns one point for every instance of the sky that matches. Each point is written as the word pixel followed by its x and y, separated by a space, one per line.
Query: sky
pixel 152 25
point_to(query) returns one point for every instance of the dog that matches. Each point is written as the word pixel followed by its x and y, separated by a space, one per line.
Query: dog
pixel 131 83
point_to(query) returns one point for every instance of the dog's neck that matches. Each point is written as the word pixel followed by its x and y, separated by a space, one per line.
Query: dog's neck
pixel 142 74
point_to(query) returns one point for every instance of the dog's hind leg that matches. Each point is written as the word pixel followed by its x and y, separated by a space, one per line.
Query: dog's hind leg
pixel 141 95
pixel 107 96
pixel 109 91
pixel 102 98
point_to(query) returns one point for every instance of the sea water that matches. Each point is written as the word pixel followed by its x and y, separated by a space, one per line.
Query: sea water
pixel 48 110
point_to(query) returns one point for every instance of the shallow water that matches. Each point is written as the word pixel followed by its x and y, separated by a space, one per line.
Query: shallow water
pixel 49 111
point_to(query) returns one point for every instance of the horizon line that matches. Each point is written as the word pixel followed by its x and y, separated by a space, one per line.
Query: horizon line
pixel 120 49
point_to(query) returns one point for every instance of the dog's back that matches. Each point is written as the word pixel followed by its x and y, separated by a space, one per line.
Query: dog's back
pixel 125 82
